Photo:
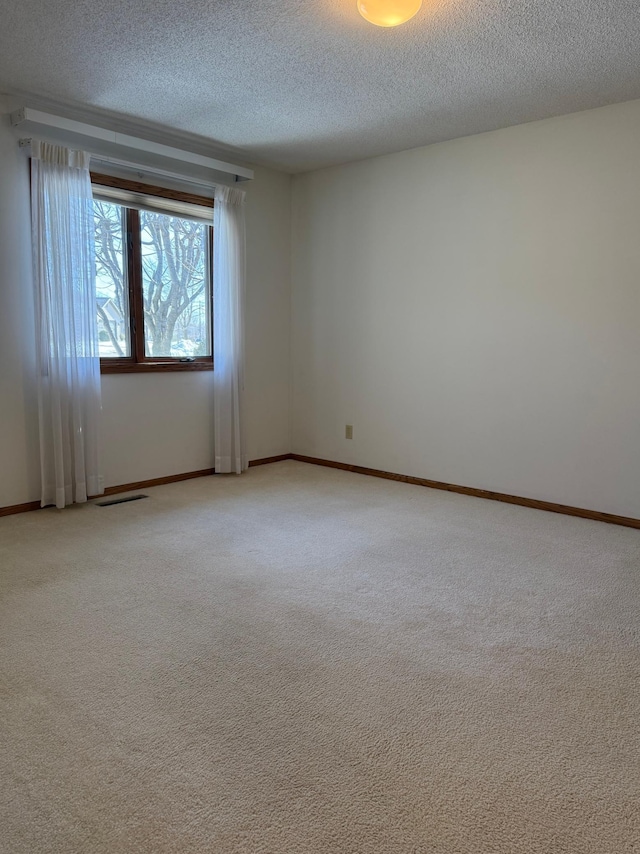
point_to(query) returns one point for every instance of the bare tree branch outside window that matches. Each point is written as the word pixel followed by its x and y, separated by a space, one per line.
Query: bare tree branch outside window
pixel 173 285
pixel 173 251
pixel 111 290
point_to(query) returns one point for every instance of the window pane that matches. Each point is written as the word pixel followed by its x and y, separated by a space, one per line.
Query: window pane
pixel 175 286
pixel 112 298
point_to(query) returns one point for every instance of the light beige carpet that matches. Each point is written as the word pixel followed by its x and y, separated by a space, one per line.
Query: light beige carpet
pixel 306 660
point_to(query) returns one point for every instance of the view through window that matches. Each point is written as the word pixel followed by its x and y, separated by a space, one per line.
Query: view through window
pixel 153 286
pixel 112 292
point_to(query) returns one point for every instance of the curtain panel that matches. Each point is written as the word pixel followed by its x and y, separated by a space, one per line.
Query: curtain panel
pixel 228 330
pixel 66 324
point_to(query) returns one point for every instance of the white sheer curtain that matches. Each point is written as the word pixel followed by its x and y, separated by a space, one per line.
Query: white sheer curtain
pixel 228 330
pixel 66 325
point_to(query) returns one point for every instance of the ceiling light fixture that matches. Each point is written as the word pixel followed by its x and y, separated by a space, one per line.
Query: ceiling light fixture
pixel 388 13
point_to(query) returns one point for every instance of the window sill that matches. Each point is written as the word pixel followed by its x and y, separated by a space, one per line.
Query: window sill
pixel 114 366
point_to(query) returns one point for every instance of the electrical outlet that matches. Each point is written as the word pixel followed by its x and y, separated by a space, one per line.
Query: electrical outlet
pixel 348 431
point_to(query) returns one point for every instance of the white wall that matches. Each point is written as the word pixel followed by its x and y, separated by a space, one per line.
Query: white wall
pixel 153 425
pixel 19 460
pixel 473 309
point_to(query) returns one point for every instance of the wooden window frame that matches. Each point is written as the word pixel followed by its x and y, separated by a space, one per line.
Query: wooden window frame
pixel 138 361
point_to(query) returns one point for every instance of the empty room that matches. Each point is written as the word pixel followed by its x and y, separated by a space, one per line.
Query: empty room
pixel 320 427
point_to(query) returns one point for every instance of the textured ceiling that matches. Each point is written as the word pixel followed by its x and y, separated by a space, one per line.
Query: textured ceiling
pixel 305 84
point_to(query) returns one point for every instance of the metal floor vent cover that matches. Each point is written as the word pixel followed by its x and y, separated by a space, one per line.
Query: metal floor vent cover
pixel 120 500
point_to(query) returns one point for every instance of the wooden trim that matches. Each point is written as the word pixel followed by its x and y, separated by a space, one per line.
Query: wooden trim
pixel 175 478
pixel 134 279
pixel 265 460
pixel 140 484
pixel 155 481
pixel 19 508
pixel 117 366
pixel 533 503
pixel 150 190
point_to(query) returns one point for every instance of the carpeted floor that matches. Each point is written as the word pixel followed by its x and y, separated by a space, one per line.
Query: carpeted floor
pixel 307 660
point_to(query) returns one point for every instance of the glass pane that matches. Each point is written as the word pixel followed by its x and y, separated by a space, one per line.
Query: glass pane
pixel 112 299
pixel 175 286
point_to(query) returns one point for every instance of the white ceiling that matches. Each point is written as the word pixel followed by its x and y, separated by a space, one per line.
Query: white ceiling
pixel 299 84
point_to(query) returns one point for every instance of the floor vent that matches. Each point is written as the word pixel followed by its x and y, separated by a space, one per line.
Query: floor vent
pixel 120 500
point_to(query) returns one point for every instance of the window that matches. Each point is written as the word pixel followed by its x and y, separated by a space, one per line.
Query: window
pixel 153 277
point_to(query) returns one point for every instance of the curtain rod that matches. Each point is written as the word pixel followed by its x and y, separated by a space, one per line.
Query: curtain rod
pixel 141 170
